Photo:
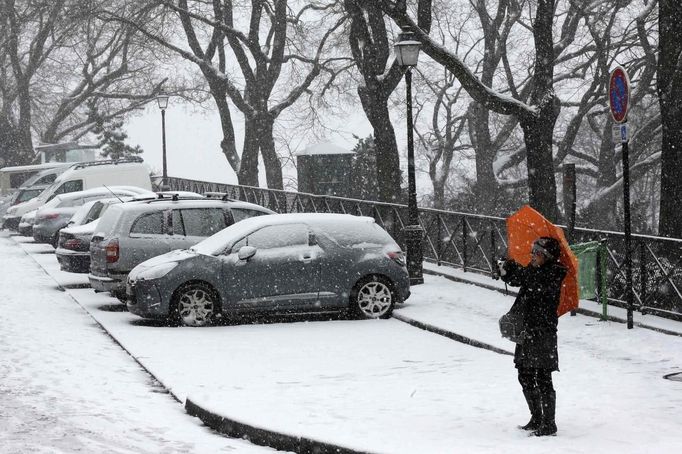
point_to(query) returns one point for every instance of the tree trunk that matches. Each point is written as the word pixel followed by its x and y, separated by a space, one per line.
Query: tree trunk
pixel 387 158
pixel 538 131
pixel 273 166
pixel 486 191
pixel 670 99
pixel 248 170
pixel 227 144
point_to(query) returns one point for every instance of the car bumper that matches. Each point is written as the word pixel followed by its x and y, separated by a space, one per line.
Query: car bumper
pixel 73 261
pixel 144 300
pixel 43 233
pixel 11 222
pixel 114 283
pixel 25 229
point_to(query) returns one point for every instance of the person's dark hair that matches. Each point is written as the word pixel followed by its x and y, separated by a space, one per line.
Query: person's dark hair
pixel 549 247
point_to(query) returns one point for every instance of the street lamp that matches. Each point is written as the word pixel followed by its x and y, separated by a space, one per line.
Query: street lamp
pixel 163 103
pixel 407 54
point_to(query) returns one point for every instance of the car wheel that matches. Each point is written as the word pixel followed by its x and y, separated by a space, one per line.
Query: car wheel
pixel 196 304
pixel 372 297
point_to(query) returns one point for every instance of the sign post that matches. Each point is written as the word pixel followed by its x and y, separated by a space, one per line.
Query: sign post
pixel 619 102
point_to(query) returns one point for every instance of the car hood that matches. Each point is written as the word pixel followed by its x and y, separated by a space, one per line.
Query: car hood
pixel 177 255
pixel 29 217
pixel 88 228
pixel 24 207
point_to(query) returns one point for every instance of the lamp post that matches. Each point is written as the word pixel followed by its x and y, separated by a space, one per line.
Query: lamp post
pixel 407 54
pixel 163 103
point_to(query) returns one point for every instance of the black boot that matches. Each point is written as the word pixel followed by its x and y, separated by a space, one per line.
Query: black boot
pixel 547 423
pixel 533 401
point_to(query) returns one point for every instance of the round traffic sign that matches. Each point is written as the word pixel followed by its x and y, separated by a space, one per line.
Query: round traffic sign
pixel 619 94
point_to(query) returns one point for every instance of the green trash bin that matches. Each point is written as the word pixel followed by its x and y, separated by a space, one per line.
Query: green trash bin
pixel 592 272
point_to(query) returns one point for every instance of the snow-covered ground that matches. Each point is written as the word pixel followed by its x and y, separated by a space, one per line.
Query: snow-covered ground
pixel 377 386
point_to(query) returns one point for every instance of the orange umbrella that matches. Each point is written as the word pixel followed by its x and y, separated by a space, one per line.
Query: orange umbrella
pixel 523 228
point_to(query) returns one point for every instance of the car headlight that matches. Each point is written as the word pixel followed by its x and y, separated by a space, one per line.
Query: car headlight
pixel 155 272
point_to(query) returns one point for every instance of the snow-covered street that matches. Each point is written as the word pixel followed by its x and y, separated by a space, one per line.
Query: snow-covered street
pixel 372 386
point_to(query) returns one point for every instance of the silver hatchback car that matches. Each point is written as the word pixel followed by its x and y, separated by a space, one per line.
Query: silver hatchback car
pixel 132 232
pixel 284 263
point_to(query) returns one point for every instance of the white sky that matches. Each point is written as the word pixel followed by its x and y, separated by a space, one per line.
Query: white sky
pixel 193 141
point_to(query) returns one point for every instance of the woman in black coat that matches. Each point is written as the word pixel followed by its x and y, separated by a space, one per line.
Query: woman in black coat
pixel 536 357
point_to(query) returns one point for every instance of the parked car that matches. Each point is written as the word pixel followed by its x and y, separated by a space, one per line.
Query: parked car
pixel 282 263
pixel 73 249
pixel 130 233
pixel 56 213
pixel 25 227
pixel 83 176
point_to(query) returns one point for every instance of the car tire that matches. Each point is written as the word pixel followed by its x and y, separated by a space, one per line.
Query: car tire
pixel 194 304
pixel 372 297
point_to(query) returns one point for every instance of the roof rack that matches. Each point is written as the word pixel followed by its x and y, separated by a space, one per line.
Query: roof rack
pixel 219 196
pixel 82 165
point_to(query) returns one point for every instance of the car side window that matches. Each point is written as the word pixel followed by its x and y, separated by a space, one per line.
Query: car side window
pixel 276 236
pixel 239 214
pixel 47 179
pixel 202 222
pixel 148 224
pixel 70 186
pixel 178 227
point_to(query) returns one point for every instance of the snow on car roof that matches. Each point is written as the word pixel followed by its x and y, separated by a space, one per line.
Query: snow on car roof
pixel 216 244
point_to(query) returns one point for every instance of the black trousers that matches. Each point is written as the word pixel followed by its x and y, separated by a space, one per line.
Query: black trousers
pixel 539 392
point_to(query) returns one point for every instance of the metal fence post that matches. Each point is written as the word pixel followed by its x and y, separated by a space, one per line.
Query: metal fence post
pixel 642 275
pixel 493 248
pixel 465 234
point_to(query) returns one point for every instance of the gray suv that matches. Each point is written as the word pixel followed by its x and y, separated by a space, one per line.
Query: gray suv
pixel 130 233
pixel 285 263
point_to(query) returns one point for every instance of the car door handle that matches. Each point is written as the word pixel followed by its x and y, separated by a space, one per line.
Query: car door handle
pixel 307 258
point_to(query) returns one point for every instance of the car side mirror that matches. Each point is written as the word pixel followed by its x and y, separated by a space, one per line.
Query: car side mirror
pixel 246 252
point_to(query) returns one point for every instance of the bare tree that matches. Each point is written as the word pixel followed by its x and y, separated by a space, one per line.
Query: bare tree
pixel 67 70
pixel 670 97
pixel 276 65
pixel 538 114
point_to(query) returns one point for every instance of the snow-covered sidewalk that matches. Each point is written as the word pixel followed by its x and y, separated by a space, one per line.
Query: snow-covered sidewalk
pixel 67 387
pixel 380 386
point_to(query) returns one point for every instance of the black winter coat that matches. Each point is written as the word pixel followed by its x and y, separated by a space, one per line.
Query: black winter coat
pixel 537 301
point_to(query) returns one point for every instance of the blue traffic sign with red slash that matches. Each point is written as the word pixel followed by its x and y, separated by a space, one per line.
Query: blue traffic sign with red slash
pixel 619 94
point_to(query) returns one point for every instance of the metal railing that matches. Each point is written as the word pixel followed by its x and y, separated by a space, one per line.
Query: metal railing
pixel 473 242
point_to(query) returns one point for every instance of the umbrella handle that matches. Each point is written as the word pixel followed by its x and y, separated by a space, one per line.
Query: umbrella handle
pixel 506 290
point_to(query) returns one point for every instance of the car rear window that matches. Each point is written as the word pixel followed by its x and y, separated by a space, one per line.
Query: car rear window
pixel 150 223
pixel 356 235
pixel 202 222
pixel 239 214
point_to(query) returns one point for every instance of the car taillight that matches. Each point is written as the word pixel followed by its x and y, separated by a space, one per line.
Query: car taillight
pixel 47 216
pixel 397 256
pixel 111 250
pixel 73 243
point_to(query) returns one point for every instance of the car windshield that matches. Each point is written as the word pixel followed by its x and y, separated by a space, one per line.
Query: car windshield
pixel 82 214
pixel 27 194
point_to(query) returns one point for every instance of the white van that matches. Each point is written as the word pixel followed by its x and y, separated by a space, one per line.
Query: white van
pixel 12 178
pixel 82 176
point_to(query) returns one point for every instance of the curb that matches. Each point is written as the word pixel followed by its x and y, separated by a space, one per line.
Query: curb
pixel 581 311
pixel 264 437
pixel 451 335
